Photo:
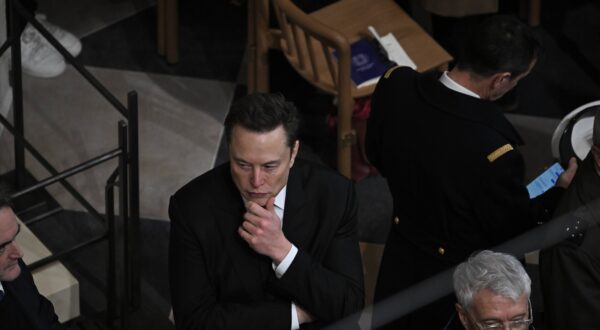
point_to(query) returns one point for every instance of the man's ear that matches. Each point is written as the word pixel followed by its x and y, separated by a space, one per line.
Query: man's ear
pixel 294 152
pixel 462 315
pixel 500 78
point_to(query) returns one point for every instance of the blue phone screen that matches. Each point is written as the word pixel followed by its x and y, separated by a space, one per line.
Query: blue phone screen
pixel 545 181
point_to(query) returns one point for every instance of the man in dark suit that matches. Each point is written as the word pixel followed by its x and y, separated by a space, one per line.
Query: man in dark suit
pixel 450 159
pixel 570 270
pixel 266 241
pixel 21 305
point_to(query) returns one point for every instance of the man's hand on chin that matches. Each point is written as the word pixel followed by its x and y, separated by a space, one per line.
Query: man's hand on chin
pixel 303 316
pixel 261 229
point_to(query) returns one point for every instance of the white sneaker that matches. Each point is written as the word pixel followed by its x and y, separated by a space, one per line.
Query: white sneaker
pixel 66 38
pixel 38 58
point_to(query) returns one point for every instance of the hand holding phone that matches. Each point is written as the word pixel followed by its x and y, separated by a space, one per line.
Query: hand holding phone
pixel 545 181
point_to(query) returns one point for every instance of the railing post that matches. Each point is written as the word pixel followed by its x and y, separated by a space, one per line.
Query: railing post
pixel 17 88
pixel 134 193
pixel 112 303
pixel 124 214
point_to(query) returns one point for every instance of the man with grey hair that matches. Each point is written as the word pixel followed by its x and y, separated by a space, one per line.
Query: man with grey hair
pixel 493 291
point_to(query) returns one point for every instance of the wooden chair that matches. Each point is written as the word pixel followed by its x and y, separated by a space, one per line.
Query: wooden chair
pixel 309 40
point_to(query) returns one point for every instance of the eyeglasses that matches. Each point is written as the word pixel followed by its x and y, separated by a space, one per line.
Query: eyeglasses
pixel 512 325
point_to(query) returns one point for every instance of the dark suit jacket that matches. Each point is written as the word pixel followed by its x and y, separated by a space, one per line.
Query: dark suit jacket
pixel 570 270
pixel 23 308
pixel 451 196
pixel 218 282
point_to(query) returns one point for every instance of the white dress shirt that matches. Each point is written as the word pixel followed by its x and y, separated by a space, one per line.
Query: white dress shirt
pixel 453 85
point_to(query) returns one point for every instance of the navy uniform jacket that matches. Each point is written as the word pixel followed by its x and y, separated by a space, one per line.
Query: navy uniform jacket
pixel 219 282
pixel 454 173
pixel 23 308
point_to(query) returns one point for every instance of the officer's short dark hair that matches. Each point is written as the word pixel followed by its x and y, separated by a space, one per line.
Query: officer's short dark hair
pixel 500 43
pixel 261 113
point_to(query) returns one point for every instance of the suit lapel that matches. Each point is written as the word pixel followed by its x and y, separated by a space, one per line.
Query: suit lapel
pixel 294 224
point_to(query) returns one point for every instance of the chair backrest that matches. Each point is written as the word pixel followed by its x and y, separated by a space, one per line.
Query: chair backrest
pixel 309 46
pixel 565 144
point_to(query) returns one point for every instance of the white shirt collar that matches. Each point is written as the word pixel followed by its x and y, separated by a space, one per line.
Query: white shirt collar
pixel 1 287
pixel 280 198
pixel 453 85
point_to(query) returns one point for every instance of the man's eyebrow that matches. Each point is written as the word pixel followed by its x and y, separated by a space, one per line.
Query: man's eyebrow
pixel 3 245
pixel 520 316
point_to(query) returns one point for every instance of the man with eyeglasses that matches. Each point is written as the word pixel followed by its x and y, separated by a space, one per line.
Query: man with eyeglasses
pixel 493 291
pixel 22 307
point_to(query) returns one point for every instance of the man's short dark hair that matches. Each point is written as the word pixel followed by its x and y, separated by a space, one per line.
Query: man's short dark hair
pixel 500 43
pixel 261 113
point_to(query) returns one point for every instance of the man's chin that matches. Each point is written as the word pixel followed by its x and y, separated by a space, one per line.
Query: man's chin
pixel 12 273
pixel 262 201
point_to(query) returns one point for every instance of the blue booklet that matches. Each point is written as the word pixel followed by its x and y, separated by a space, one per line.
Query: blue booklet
pixel 545 181
pixel 368 64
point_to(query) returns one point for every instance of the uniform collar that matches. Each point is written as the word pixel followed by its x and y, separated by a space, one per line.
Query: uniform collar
pixel 453 85
pixel 470 108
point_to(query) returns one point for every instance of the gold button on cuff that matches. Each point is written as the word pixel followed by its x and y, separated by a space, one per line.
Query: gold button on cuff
pixel 396 220
pixel 441 251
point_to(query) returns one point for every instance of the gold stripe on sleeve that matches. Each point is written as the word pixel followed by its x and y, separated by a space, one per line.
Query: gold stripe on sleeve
pixel 499 152
pixel 389 72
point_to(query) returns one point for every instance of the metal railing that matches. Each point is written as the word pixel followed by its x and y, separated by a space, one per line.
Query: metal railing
pixel 123 273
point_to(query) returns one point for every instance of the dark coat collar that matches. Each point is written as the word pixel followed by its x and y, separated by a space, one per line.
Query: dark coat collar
pixel 464 106
pixel 24 292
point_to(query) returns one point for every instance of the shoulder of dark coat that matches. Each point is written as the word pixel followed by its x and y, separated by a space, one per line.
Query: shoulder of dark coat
pixel 206 183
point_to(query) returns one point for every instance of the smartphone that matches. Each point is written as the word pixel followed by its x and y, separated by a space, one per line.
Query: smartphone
pixel 545 181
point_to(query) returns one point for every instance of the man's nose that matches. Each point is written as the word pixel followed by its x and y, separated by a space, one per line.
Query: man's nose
pixel 257 177
pixel 15 251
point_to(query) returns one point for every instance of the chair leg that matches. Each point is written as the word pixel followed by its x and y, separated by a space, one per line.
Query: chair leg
pixel 172 31
pixel 346 136
pixel 251 47
pixel 262 39
pixel 530 10
pixel 160 24
pixel 535 7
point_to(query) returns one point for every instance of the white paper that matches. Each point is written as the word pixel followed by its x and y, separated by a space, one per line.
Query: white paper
pixel 395 52
pixel 393 49
pixel 365 83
